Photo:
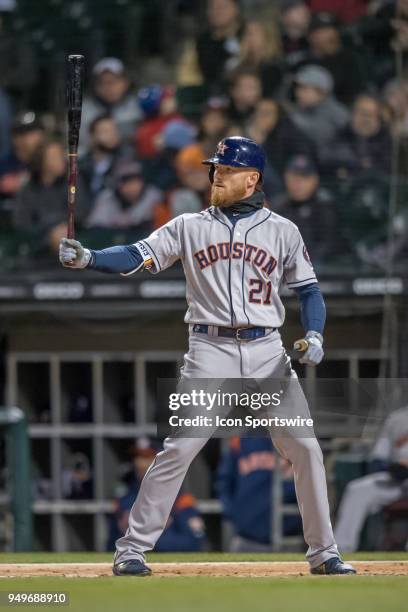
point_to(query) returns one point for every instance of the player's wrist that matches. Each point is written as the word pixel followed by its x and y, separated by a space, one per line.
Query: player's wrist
pixel 314 334
pixel 88 258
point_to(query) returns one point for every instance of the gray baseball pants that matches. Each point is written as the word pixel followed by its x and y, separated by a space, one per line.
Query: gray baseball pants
pixel 212 357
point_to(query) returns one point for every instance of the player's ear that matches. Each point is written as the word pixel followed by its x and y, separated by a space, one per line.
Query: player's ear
pixel 253 179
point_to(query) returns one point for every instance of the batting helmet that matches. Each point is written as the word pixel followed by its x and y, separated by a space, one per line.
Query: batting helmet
pixel 238 152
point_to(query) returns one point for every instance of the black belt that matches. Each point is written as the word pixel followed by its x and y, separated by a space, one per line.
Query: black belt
pixel 239 333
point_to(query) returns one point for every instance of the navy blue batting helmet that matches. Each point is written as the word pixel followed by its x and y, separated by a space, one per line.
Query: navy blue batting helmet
pixel 238 152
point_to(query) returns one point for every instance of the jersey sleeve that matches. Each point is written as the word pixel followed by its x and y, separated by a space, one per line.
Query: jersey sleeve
pixel 297 267
pixel 163 247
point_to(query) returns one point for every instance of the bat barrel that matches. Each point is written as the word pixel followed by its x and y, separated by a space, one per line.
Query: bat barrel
pixel 75 73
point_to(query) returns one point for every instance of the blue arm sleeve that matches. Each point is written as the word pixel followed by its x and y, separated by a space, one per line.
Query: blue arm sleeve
pixel 312 308
pixel 117 259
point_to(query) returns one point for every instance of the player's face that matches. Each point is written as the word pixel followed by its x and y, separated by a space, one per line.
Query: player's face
pixel 232 184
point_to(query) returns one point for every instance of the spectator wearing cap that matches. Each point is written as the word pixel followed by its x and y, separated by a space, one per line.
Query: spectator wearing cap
pixel 104 153
pixel 159 107
pixel 111 94
pixel 344 64
pixel 175 135
pixel 219 43
pixel 363 146
pixel 185 529
pixel 311 207
pixel 129 204
pixel 281 139
pixel 316 111
pixel 27 133
pixel 192 190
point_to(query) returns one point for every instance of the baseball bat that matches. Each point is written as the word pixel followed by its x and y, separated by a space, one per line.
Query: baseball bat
pixel 75 78
pixel 301 345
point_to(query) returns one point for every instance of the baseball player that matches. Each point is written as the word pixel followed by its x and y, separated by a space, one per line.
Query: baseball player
pixel 236 254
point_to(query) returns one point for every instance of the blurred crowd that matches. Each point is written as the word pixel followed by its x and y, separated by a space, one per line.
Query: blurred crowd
pixel 321 84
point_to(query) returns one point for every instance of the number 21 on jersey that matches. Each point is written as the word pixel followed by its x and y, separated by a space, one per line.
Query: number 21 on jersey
pixel 260 292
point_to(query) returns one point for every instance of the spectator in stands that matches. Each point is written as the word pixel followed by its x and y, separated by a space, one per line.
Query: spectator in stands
pixel 395 96
pixel 244 482
pixel 295 20
pixel 362 146
pixel 245 92
pixel 281 139
pixel 111 94
pixel 387 483
pixel 399 25
pixel 219 43
pixel 316 112
pixel 159 107
pixel 346 11
pixel 77 481
pixel 311 207
pixel 213 125
pixel 5 124
pixel 129 204
pixel 27 134
pixel 17 64
pixel 41 205
pixel 191 193
pixel 260 52
pixel 175 135
pixel 345 64
pixel 185 529
pixel 104 152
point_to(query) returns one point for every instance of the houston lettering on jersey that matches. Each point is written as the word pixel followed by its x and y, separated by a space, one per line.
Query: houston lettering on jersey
pixel 238 250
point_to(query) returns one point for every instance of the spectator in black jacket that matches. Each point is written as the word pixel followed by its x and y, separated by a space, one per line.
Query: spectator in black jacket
pixel 105 150
pixel 27 133
pixel 345 64
pixel 364 145
pixel 41 206
pixel 281 139
pixel 295 20
pixel 310 207
pixel 220 42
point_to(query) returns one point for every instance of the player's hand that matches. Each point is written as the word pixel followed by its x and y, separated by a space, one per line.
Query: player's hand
pixel 72 254
pixel 314 352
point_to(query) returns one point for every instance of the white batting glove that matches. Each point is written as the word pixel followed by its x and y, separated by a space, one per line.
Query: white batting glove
pixel 314 353
pixel 72 254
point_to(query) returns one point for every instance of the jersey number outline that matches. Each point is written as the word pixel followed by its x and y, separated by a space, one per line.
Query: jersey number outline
pixel 260 289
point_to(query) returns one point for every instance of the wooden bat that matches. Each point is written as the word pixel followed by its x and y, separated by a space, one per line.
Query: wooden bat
pixel 301 345
pixel 75 78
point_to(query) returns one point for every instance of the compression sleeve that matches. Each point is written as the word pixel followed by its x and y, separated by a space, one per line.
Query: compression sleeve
pixel 312 307
pixel 117 259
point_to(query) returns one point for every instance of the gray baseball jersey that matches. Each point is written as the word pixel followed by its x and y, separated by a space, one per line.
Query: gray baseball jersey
pixel 233 272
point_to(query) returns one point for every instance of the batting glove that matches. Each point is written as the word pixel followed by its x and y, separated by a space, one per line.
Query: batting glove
pixel 72 254
pixel 314 353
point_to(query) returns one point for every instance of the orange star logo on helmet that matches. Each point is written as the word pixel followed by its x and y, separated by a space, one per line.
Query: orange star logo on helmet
pixel 221 148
